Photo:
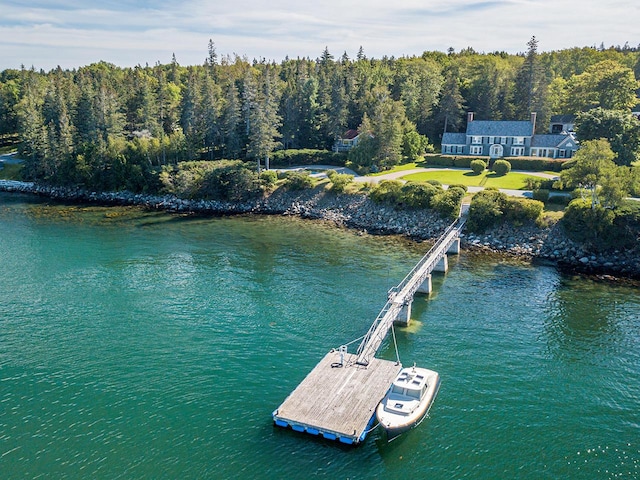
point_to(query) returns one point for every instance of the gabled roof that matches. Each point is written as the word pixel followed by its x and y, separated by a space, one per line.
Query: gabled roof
pixel 507 128
pixel 449 138
pixel 349 135
pixel 553 141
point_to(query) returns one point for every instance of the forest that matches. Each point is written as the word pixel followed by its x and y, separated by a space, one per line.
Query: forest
pixel 110 128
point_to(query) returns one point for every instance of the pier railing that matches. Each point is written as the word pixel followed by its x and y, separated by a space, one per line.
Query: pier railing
pixel 403 293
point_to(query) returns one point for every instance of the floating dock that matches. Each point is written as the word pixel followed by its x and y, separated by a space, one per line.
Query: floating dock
pixel 338 399
pixel 338 402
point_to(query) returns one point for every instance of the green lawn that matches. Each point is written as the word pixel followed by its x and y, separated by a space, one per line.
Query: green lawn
pixel 399 168
pixel 512 181
pixel 11 172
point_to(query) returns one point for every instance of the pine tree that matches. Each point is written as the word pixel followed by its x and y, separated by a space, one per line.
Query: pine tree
pixel 265 120
pixel 230 123
pixel 530 86
pixel 451 105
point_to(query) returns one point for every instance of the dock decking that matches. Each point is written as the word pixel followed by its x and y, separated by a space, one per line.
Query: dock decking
pixel 338 403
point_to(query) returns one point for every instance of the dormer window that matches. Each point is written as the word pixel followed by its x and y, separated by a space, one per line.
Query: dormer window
pixel 476 140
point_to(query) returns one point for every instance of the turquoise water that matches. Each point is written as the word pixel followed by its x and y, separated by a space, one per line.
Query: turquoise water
pixel 144 345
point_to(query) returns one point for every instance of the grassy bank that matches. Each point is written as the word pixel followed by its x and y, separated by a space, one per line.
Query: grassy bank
pixel 10 171
pixel 512 181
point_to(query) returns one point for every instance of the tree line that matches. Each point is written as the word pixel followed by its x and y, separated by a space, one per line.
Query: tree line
pixel 106 127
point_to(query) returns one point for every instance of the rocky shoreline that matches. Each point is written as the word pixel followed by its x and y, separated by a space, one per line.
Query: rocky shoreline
pixel 359 212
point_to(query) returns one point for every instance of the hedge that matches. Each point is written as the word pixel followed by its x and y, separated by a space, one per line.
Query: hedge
pixel 535 164
pixel 452 160
pixel 308 157
pixel 532 164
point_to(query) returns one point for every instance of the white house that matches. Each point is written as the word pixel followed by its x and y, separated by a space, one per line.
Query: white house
pixel 347 141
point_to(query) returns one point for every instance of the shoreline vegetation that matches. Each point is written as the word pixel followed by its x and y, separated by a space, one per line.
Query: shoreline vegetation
pixel 205 138
pixel 528 241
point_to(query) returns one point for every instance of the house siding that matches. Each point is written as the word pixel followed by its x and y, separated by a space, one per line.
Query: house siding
pixel 516 137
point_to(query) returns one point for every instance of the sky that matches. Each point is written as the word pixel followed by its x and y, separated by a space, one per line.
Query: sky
pixel 73 33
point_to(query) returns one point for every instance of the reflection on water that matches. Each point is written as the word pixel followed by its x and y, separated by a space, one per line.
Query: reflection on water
pixel 136 344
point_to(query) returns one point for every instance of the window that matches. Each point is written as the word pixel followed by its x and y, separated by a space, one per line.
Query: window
pixel 517 151
pixel 460 149
pixel 561 153
pixel 398 390
pixel 518 140
pixel 476 140
pixel 413 393
pixel 475 150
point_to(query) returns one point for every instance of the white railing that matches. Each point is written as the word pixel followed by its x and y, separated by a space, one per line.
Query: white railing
pixel 403 293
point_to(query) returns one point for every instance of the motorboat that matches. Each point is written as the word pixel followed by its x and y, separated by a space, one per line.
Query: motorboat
pixel 408 400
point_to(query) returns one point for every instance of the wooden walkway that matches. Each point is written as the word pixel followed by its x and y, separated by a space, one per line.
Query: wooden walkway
pixel 338 403
pixel 402 295
pixel 338 399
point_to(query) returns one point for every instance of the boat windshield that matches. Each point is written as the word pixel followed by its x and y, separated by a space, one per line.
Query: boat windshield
pixel 413 393
pixel 398 390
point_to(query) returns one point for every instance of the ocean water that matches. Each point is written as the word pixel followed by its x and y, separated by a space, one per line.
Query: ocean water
pixel 138 344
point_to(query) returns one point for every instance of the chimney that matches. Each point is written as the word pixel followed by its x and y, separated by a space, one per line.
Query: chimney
pixel 469 117
pixel 533 123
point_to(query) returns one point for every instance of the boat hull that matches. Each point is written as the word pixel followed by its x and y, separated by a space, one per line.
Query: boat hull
pixel 394 422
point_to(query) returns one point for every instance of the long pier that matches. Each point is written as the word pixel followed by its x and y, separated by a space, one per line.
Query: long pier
pixel 338 398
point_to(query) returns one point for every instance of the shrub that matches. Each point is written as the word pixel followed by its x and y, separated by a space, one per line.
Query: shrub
pixel 501 167
pixel 486 209
pixel 463 187
pixel 521 210
pixel 434 182
pixel 387 191
pixel 541 194
pixel 584 223
pixel 531 183
pixel 449 201
pixel 232 182
pixel 298 180
pixel 418 195
pixel 269 177
pixel 478 166
pixel 603 228
pixel 559 199
pixel 339 181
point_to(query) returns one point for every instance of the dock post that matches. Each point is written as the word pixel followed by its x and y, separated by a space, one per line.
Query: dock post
pixel 405 314
pixel 455 247
pixel 442 265
pixel 426 286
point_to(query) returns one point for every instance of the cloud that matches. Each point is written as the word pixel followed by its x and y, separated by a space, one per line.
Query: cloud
pixel 72 33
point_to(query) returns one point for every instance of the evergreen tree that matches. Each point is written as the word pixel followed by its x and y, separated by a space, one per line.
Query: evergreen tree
pixel 188 118
pixel 230 123
pixel 450 111
pixel 530 86
pixel 265 120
